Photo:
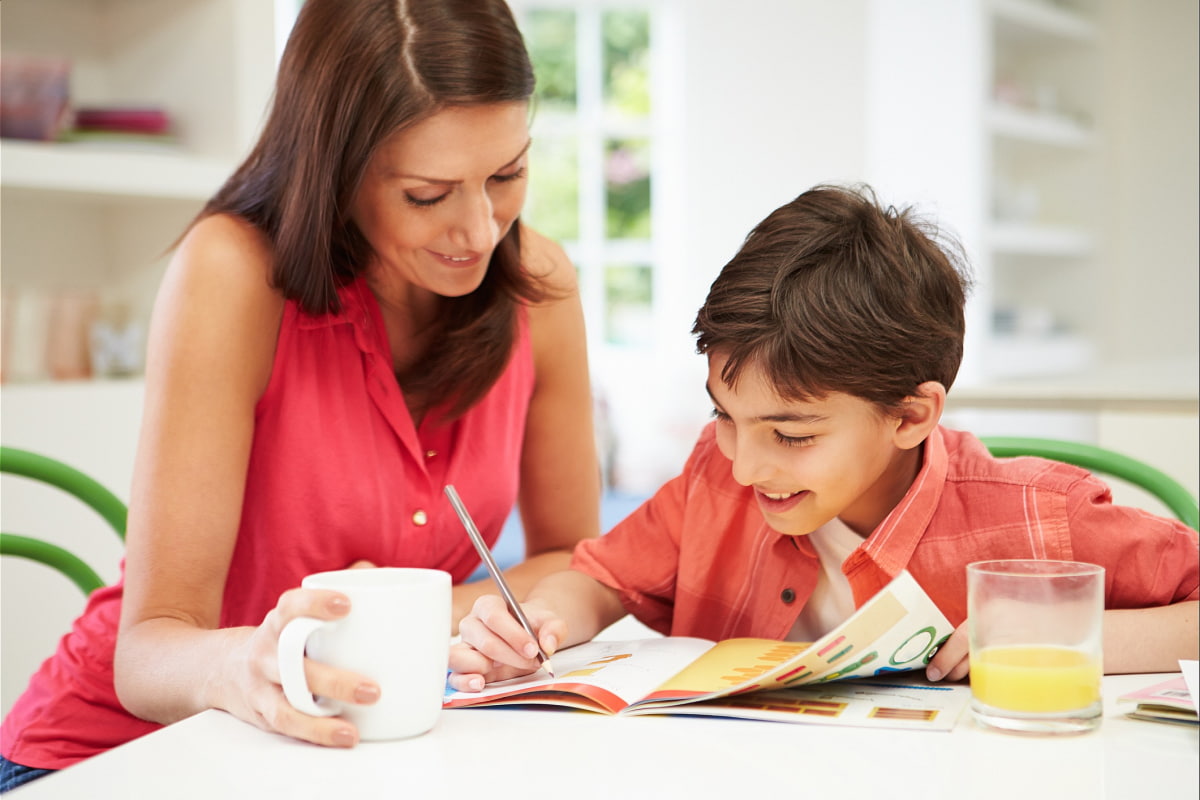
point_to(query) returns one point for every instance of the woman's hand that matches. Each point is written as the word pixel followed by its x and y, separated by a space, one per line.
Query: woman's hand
pixel 254 692
pixel 495 647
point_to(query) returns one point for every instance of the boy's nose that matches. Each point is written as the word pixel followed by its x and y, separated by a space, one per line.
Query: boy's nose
pixel 749 465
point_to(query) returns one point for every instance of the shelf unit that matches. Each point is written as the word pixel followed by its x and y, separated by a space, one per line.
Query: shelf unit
pixel 987 115
pixel 100 218
pixel 93 218
pixel 1043 184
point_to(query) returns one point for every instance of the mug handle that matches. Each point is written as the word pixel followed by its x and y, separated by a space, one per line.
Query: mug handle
pixel 292 642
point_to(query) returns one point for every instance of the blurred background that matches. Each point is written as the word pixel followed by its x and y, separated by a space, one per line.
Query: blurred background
pixel 1058 139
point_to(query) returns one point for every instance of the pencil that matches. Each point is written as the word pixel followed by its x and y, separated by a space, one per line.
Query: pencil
pixel 493 569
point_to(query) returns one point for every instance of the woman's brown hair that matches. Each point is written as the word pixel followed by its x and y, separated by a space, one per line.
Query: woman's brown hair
pixel 353 73
pixel 834 293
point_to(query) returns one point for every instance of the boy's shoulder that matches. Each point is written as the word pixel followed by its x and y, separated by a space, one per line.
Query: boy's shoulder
pixel 968 461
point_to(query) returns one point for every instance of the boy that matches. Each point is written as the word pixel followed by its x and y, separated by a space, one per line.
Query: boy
pixel 832 338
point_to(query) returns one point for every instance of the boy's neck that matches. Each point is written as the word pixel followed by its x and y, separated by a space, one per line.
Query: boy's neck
pixel 887 492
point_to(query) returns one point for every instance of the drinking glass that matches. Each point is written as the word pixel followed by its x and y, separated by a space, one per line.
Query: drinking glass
pixel 1035 637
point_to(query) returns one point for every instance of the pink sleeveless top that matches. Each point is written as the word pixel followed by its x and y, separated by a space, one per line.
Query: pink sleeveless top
pixel 338 473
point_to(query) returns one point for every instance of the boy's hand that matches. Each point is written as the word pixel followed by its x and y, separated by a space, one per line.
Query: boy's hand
pixel 952 661
pixel 494 645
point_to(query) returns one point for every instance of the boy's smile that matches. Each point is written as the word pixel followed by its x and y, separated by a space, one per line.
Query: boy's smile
pixel 811 461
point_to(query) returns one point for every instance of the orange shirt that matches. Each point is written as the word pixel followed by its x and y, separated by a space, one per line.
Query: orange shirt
pixel 698 559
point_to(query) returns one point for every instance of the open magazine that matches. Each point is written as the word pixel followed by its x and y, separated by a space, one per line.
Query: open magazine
pixel 897 630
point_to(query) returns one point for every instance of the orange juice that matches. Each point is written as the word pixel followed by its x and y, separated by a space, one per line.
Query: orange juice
pixel 1035 678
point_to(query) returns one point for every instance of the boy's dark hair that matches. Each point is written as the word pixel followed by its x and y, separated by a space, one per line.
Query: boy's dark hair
pixel 834 293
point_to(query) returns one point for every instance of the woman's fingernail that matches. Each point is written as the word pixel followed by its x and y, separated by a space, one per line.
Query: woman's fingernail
pixel 338 605
pixel 551 644
pixel 475 684
pixel 344 737
pixel 531 650
pixel 366 693
pixel 933 674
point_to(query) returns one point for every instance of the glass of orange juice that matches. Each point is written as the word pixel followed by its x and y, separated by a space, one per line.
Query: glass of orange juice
pixel 1035 638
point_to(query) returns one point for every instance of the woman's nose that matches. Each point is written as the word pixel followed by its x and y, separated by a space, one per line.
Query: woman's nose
pixel 477 230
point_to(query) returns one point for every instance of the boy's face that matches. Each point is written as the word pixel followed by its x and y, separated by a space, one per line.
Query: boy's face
pixel 809 462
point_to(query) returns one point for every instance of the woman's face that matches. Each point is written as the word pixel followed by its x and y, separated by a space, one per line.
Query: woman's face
pixel 438 197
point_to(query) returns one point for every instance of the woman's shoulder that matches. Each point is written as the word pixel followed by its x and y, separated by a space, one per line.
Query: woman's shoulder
pixel 226 263
pixel 217 297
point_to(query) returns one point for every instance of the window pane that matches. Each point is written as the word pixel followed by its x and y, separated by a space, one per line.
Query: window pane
pixel 627 63
pixel 552 205
pixel 550 39
pixel 628 290
pixel 627 183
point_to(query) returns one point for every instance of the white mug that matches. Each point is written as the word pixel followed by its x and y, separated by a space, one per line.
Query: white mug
pixel 397 634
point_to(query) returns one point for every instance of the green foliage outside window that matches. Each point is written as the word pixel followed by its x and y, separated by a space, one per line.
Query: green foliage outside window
pixel 550 39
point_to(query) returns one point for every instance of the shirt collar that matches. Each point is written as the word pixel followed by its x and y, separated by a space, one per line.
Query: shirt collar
pixel 891 545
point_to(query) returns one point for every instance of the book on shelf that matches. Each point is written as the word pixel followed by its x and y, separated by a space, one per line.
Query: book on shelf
pixel 1165 701
pixel 853 675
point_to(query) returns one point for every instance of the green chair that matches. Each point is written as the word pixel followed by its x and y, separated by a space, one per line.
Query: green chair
pixel 88 490
pixel 1105 462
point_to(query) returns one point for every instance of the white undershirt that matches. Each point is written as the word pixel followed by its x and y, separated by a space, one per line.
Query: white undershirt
pixel 832 601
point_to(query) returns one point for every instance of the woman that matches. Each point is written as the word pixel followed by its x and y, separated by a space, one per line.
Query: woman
pixel 356 319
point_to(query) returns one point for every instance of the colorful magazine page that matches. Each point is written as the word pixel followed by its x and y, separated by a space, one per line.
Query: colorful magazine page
pixel 897 630
pixel 886 702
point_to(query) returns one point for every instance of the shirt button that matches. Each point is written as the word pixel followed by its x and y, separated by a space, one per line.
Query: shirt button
pixel 788 596
pixel 430 453
pixel 420 517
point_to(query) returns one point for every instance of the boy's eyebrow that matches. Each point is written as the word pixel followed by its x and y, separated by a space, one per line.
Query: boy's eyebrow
pixel 447 182
pixel 807 419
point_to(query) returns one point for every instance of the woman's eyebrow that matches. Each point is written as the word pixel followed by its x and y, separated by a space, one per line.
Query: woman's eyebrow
pixel 453 182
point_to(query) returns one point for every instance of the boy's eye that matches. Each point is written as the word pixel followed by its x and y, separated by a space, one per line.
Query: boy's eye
pixel 793 441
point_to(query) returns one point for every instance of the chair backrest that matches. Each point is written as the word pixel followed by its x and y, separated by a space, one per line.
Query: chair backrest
pixel 1105 462
pixel 90 491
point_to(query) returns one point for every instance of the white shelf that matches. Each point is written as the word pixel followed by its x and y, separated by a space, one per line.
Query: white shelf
pixel 1016 238
pixel 1026 125
pixel 1020 356
pixel 1043 18
pixel 107 171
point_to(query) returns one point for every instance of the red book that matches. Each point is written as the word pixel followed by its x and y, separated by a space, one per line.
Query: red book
pixel 126 120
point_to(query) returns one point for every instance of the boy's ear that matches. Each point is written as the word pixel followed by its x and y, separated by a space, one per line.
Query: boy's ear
pixel 920 414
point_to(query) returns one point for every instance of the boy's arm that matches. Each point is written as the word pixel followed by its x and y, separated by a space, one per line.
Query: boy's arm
pixel 1151 639
pixel 564 608
pixel 1135 640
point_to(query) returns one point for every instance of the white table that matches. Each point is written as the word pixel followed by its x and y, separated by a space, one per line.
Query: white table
pixel 535 754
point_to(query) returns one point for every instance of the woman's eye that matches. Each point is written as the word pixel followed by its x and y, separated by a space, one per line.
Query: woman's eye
pixel 423 202
pixel 512 176
pixel 720 416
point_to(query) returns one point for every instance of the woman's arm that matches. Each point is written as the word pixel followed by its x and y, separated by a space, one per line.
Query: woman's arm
pixel 560 472
pixel 212 343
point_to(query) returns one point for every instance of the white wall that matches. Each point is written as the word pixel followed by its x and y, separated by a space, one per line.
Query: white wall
pixel 1153 152
pixel 770 94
